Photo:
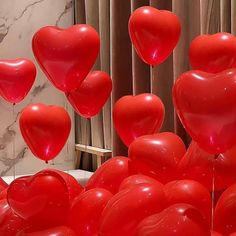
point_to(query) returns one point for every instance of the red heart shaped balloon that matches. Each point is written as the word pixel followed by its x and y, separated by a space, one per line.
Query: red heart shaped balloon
pixel 43 199
pixel 110 174
pixel 179 220
pixel 86 211
pixel 202 167
pixel 10 223
pixel 133 180
pixel 190 192
pixel 213 53
pixel 66 55
pixel 56 231
pixel 16 79
pixel 157 155
pixel 154 33
pixel 225 212
pixel 205 104
pixel 135 116
pixel 92 94
pixel 128 207
pixel 45 129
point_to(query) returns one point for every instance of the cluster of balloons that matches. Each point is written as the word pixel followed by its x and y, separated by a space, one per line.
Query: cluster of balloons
pixel 160 188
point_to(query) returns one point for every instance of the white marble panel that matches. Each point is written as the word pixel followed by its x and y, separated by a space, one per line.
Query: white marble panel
pixel 19 20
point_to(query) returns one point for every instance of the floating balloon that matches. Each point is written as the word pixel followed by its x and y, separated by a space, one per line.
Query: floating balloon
pixel 56 231
pixel 45 129
pixel 203 167
pixel 92 94
pixel 16 79
pixel 133 180
pixel 135 116
pixel 213 53
pixel 66 55
pixel 225 212
pixel 179 219
pixel 154 33
pixel 189 192
pixel 209 115
pixel 42 200
pixel 110 174
pixel 128 207
pixel 86 211
pixel 157 155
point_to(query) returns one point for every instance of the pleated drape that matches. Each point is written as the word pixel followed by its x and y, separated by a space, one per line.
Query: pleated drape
pixel 129 74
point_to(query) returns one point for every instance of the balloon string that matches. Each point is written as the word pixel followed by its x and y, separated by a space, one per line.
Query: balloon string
pixel 152 78
pixel 213 191
pixel 14 143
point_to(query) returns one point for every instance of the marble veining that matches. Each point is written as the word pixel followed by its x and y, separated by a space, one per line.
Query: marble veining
pixel 19 20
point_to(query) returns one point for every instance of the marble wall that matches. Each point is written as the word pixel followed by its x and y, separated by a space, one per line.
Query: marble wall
pixel 19 20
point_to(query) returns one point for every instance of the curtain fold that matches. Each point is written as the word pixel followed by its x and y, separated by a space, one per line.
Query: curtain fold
pixel 129 74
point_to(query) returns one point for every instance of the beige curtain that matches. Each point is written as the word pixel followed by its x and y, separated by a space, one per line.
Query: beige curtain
pixel 129 74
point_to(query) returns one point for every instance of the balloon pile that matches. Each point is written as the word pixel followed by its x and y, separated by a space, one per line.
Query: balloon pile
pixel 160 188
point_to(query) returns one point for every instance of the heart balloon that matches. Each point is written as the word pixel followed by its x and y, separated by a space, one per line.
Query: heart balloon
pixel 209 115
pixel 45 129
pixel 213 53
pixel 135 116
pixel 16 79
pixel 66 55
pixel 110 174
pixel 179 219
pixel 189 192
pixel 157 155
pixel 86 211
pixel 10 223
pixel 43 199
pixel 92 94
pixel 128 207
pixel 225 212
pixel 133 180
pixel 201 166
pixel 154 33
pixel 56 231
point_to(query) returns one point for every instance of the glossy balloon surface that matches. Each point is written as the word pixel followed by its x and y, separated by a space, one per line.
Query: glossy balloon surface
pixel 179 219
pixel 45 129
pixel 134 180
pixel 205 105
pixel 225 212
pixel 213 53
pixel 110 174
pixel 157 155
pixel 86 211
pixel 190 192
pixel 42 199
pixel 135 116
pixel 56 231
pixel 154 33
pixel 10 223
pixel 128 207
pixel 92 94
pixel 201 166
pixel 16 79
pixel 66 55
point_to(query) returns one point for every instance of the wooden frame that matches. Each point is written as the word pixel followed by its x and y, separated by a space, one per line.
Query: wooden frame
pixel 100 153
